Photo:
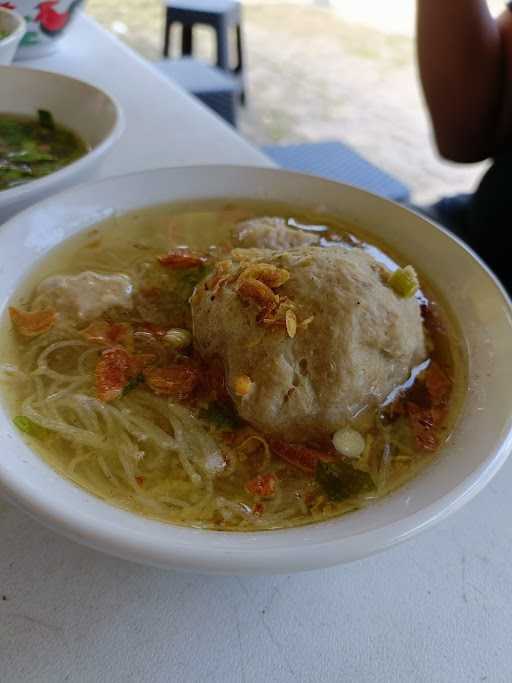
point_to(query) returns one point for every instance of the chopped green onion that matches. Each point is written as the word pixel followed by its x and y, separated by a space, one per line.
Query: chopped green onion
pixel 404 282
pixel 132 383
pixel 46 119
pixel 25 424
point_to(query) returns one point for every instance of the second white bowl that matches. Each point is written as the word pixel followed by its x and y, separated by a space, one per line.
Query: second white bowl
pixel 88 111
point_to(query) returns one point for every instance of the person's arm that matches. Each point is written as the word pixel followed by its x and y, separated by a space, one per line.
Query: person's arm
pixel 465 62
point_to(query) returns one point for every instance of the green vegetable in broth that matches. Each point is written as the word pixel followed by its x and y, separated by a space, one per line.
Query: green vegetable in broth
pixel 28 426
pixel 32 148
pixel 340 480
pixel 221 415
pixel 108 366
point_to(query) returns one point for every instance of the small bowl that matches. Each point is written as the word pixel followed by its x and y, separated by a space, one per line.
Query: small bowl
pixel 47 22
pixel 479 446
pixel 14 25
pixel 95 116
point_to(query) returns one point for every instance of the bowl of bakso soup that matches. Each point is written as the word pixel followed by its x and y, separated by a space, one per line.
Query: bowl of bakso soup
pixel 245 370
pixel 54 131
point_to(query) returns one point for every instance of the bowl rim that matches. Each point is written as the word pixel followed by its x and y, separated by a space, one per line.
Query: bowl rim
pixel 224 557
pixel 18 33
pixel 18 193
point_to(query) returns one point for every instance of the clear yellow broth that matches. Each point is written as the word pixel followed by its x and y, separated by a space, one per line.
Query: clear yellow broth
pixel 122 465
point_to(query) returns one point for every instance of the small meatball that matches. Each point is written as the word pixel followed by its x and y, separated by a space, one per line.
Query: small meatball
pixel 353 339
pixel 88 294
pixel 270 233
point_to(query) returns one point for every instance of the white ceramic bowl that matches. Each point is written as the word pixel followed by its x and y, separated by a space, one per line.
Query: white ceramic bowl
pixel 47 22
pixel 479 448
pixel 92 114
pixel 15 26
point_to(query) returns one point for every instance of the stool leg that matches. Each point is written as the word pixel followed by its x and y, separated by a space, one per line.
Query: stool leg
pixel 239 70
pixel 239 56
pixel 222 29
pixel 167 35
pixel 186 40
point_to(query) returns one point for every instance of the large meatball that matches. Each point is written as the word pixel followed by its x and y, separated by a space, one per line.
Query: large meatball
pixel 270 233
pixel 309 337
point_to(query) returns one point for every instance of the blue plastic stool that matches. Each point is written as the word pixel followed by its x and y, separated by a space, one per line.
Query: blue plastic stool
pixel 215 88
pixel 336 161
pixel 224 16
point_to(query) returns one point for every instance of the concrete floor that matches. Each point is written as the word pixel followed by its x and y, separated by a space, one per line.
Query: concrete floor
pixel 317 73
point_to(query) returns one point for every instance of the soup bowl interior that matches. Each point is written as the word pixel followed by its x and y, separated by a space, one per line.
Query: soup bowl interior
pixel 478 447
pixel 79 106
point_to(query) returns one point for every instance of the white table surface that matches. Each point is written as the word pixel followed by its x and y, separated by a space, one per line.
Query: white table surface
pixel 433 610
